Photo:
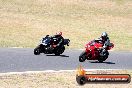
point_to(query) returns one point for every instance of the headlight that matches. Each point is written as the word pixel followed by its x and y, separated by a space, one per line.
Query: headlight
pixel 44 44
pixel 87 46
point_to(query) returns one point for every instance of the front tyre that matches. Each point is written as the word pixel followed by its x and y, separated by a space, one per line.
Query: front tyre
pixel 82 57
pixel 36 51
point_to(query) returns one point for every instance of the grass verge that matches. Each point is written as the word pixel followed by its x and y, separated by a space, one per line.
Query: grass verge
pixel 56 80
pixel 24 22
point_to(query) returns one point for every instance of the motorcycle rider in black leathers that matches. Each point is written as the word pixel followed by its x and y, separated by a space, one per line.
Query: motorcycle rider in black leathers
pixel 60 39
pixel 104 39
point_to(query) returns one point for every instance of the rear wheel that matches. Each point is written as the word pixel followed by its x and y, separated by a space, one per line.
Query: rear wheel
pixel 59 51
pixel 82 56
pixel 37 51
pixel 103 57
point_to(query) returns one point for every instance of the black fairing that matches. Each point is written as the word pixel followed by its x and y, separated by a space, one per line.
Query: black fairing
pixel 46 45
pixel 66 42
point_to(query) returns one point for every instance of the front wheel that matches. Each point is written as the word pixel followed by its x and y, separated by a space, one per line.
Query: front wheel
pixel 82 56
pixel 36 51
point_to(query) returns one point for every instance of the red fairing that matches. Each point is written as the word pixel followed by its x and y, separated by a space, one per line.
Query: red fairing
pixel 94 51
pixel 91 48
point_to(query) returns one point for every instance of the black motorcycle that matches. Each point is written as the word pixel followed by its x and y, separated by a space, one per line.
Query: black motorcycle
pixel 47 46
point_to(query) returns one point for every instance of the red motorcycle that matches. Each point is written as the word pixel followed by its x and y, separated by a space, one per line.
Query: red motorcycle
pixel 95 51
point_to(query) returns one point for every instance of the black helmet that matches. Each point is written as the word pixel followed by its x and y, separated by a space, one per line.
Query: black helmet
pixel 104 35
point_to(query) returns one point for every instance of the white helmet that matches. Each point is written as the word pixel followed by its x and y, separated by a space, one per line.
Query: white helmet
pixel 104 35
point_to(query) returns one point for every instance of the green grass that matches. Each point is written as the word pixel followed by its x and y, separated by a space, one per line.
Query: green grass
pixel 24 22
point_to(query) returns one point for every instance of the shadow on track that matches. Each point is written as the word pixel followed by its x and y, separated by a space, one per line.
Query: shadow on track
pixel 59 55
pixel 102 62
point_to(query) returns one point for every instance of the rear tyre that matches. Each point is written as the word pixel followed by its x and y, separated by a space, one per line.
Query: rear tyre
pixel 82 57
pixel 37 51
pixel 81 80
pixel 104 57
pixel 59 51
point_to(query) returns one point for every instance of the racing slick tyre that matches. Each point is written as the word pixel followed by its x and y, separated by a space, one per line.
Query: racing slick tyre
pixel 82 56
pixel 36 51
pixel 81 80
pixel 103 57
pixel 59 51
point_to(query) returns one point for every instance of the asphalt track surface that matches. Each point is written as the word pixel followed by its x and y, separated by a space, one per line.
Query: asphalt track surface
pixel 23 59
